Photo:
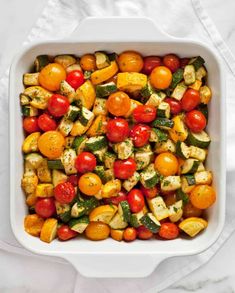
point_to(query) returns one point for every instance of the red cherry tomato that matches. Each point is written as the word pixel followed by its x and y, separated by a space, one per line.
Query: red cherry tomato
pixel 123 169
pixel 64 192
pixel 144 233
pixel 58 105
pixel 65 233
pixel 75 78
pixel 140 134
pixel 85 162
pixel 168 231
pixel 144 113
pixel 129 234
pixel 175 105
pixel 45 207
pixel 172 62
pixel 117 130
pixel 195 121
pixel 150 63
pixel 190 100
pixel 73 179
pixel 135 199
pixel 149 192
pixel 46 123
pixel 30 124
pixel 184 62
pixel 116 199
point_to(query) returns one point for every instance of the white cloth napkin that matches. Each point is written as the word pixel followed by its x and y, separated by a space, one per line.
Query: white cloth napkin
pixel 184 19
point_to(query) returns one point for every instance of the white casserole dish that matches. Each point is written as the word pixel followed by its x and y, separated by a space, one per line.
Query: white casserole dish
pixel 110 258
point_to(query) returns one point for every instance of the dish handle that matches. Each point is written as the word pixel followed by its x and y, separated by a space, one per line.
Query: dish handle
pixel 118 29
pixel 115 265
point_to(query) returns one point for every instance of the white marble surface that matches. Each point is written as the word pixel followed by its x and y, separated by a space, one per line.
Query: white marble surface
pixel 217 276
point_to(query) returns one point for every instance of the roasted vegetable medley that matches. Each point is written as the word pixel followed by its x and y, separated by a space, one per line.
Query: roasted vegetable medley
pixel 115 145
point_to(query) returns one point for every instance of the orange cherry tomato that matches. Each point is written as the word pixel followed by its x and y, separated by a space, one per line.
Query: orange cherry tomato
pixel 87 62
pixel 129 234
pixel 161 77
pixel 166 163
pixel 202 196
pixel 51 76
pixel 89 184
pixel 168 231
pixel 51 144
pixel 130 61
pixel 118 103
pixel 170 199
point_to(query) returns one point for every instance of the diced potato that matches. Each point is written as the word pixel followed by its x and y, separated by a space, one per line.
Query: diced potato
pixel 33 224
pixel 44 190
pixel 49 230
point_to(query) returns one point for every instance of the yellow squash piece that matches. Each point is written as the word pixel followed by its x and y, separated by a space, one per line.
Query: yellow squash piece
pixel 117 234
pixel 103 213
pixel 43 172
pixel 192 226
pixel 196 85
pixel 205 94
pixel 99 126
pixel 44 190
pixel 111 188
pixel 38 95
pixel 30 143
pixel 49 230
pixel 104 74
pixel 131 81
pixel 85 94
pixel 179 130
pixel 31 199
pixel 78 129
pixel 33 224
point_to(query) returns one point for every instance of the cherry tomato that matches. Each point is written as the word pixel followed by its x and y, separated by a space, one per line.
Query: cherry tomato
pixel 170 198
pixel 129 234
pixel 149 192
pixel 65 233
pixel 64 192
pixel 130 61
pixel 30 124
pixel 46 123
pixel 73 179
pixel 118 103
pixel 144 233
pixel 150 63
pixel 172 62
pixel 195 121
pixel 191 211
pixel 58 105
pixel 140 134
pixel 175 105
pixel 144 113
pixel 168 231
pixel 75 78
pixel 51 76
pixel 88 62
pixel 123 169
pixel 161 77
pixel 190 100
pixel 184 62
pixel 116 199
pixel 45 207
pixel 135 199
pixel 85 162
pixel 89 184
pixel 166 164
pixel 51 144
pixel 202 196
pixel 117 129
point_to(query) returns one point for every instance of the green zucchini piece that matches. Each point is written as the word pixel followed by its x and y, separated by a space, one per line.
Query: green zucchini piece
pixel 29 111
pixel 143 159
pixel 162 135
pixel 79 143
pixel 182 150
pixel 129 183
pixel 124 149
pixel 100 171
pixel 189 74
pixel 73 113
pixel 82 208
pixel 163 110
pixel 79 225
pixel 180 195
pixel 65 60
pixel 63 211
pixel 149 177
pixel 190 166
pixel 100 154
pixel 147 91
pixel 40 62
pixel 87 74
pixel 85 116
pixel 24 100
pixel 150 222
pixel 197 62
pixel 55 164
pixel 179 91
pixel 204 109
pixel 69 141
pixel 201 139
pixel 177 76
pixel 34 159
pixel 96 143
pixel 124 210
pixel 30 79
pixel 190 179
pixel 102 60
pixel 163 123
pixel 112 56
pixel 104 90
pixel 201 73
pixel 109 159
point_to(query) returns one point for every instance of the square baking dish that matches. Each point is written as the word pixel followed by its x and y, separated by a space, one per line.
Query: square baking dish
pixel 110 258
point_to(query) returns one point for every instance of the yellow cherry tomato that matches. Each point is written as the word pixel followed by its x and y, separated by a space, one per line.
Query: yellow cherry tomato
pixel 202 196
pixel 89 184
pixel 51 76
pixel 51 144
pixel 97 231
pixel 118 103
pixel 130 61
pixel 87 62
pixel 166 164
pixel 161 77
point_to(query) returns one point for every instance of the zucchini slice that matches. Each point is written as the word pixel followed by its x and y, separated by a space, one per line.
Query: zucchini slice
pixel 72 113
pixel 165 146
pixel 124 210
pixel 124 149
pixel 143 159
pixel 100 107
pixel 79 225
pixel 150 222
pixel 201 73
pixel 63 211
pixel 109 159
pixel 197 153
pixel 65 126
pixel 58 177
pixel 182 150
pixel 102 60
pixel 100 171
pixel 155 99
pixel 162 135
pixel 40 62
pixel 201 139
pixel 203 177
pixel 68 160
pixel 177 76
pixel 86 117
pixel 158 208
pixel 186 188
pixel 163 123
pixel 189 74
pixel 170 183
pixel 179 91
pixel 190 166
pixel 96 143
pixel 129 183
pixel 118 222
pixel 190 179
pixel 197 62
pixel 79 143
pixel 30 79
pixel 176 211
pixel 147 90
pixel 104 90
pixel 149 177
pixel 163 110
pixel 55 164
pixel 135 219
pixel 29 111
pixel 81 208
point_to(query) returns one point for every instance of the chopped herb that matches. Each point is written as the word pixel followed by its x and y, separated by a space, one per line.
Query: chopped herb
pixel 175 209
pixel 166 183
